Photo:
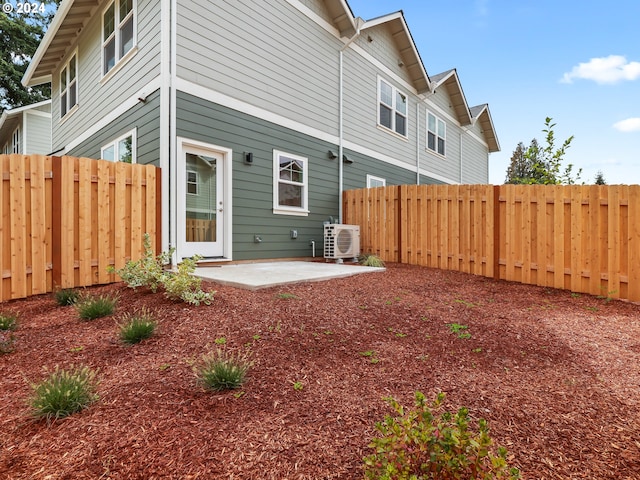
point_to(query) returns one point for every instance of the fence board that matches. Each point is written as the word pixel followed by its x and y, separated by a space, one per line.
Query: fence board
pixel 583 238
pixel 62 219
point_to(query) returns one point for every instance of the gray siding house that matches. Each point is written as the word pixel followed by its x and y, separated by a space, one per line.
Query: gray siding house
pixel 26 130
pixel 259 113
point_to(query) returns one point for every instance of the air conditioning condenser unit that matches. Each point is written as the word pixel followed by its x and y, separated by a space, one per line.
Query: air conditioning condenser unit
pixel 341 241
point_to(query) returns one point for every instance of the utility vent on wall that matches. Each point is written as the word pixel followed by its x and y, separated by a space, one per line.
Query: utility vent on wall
pixel 341 241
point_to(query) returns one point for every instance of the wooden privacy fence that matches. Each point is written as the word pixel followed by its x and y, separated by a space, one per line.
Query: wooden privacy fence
pixel 581 238
pixel 64 220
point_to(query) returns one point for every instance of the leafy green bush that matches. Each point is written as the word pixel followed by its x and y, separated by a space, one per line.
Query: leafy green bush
pixel 8 321
pixel 63 392
pixel 419 445
pixel 370 260
pixel 219 370
pixel 66 296
pixel 150 271
pixel 90 307
pixel 137 327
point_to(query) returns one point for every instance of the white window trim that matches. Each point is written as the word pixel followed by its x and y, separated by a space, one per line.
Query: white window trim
pixel 70 109
pixel 438 119
pixel 394 110
pixel 283 209
pixel 372 178
pixel 197 184
pixel 114 143
pixel 16 141
pixel 120 61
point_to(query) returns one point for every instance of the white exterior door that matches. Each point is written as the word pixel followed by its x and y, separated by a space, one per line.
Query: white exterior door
pixel 201 199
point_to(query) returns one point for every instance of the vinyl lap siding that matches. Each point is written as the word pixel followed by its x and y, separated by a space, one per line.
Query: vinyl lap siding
pixel 267 54
pixel 95 99
pixel 200 120
pixel 38 134
pixel 145 118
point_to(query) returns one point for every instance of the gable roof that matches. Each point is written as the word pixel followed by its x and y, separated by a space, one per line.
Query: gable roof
pixel 451 81
pixel 70 19
pixel 480 113
pixel 9 118
pixel 342 17
pixel 409 54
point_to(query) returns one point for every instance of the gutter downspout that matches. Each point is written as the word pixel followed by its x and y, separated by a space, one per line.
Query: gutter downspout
pixel 359 23
pixel 418 143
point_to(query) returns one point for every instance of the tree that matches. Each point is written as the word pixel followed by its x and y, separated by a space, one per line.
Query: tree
pixel 600 178
pixel 20 35
pixel 542 165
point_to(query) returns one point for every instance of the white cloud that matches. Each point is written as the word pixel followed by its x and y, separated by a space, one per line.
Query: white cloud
pixel 628 125
pixel 611 69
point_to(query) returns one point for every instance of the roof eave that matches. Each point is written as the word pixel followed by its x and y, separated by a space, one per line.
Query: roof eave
pixel 28 80
pixel 411 57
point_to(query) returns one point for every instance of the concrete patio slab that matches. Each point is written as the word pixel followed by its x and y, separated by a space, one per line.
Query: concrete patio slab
pixel 254 276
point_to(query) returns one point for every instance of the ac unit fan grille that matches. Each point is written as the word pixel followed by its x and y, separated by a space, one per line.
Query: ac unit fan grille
pixel 344 240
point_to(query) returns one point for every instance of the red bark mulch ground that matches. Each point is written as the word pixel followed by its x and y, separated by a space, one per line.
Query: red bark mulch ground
pixel 556 375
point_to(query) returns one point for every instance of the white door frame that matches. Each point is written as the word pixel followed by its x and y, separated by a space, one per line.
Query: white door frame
pixel 183 145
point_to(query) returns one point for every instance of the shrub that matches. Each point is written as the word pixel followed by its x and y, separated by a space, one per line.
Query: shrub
pixel 91 307
pixel 370 260
pixel 137 327
pixel 147 271
pixel 419 445
pixel 220 370
pixel 66 296
pixel 182 285
pixel 150 271
pixel 63 392
pixel 7 340
pixel 8 321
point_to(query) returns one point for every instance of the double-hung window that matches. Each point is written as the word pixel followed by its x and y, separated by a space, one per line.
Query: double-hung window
pixel 373 181
pixel 392 111
pixel 291 184
pixel 122 149
pixel 16 141
pixel 436 134
pixel 69 85
pixel 118 32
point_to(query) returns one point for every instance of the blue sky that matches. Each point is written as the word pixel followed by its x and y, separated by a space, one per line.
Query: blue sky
pixel 577 62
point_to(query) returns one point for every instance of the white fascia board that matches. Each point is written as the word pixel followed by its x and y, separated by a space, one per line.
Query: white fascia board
pixel 61 14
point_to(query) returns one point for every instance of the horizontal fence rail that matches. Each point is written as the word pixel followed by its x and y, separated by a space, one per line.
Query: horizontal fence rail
pixel 580 238
pixel 64 220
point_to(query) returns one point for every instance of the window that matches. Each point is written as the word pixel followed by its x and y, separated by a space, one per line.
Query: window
pixel 69 85
pixel 373 182
pixel 392 111
pixel 122 149
pixel 290 184
pixel 192 182
pixel 436 134
pixel 16 141
pixel 118 32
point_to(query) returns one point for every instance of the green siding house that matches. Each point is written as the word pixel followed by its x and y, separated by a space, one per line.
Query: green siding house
pixel 260 113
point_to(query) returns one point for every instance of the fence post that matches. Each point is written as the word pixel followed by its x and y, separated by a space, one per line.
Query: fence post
pixel 496 232
pixel 56 221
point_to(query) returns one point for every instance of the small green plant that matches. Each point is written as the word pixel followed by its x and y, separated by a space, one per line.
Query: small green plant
pixel 63 392
pixel 371 355
pixel 137 327
pixel 90 307
pixel 370 260
pixel 428 443
pixel 66 296
pixel 287 296
pixel 220 341
pixel 7 341
pixel 298 386
pixel 459 330
pixel 219 370
pixel 77 349
pixel 464 302
pixel 150 271
pixel 8 321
